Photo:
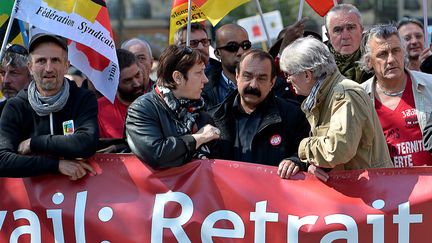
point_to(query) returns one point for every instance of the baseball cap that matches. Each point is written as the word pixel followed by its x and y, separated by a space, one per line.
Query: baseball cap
pixel 44 37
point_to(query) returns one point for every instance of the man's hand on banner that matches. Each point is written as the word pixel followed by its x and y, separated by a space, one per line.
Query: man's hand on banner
pixel 75 169
pixel 287 168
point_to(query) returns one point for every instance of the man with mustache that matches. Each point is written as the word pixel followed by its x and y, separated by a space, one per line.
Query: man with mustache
pixel 255 125
pixel 111 117
pixel 402 98
pixel 14 72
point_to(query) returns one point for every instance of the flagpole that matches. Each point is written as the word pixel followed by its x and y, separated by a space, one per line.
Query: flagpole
pixel 263 22
pixel 300 10
pixel 188 29
pixel 8 30
pixel 425 23
pixel 335 2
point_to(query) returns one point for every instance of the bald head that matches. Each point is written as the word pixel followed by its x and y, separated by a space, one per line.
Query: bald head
pixel 229 31
pixel 231 42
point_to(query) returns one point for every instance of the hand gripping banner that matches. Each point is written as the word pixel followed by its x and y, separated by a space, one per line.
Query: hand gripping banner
pixel 216 201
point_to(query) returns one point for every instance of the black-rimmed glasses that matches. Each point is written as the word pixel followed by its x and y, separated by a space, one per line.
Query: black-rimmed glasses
pixel 234 46
pixel 195 43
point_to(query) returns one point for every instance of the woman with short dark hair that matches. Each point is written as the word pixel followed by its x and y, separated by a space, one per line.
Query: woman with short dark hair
pixel 168 127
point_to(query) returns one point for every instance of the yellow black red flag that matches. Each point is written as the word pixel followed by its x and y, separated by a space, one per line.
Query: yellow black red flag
pixel 211 10
pixel 17 34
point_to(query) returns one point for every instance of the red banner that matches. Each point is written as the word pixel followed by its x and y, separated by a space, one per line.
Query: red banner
pixel 216 201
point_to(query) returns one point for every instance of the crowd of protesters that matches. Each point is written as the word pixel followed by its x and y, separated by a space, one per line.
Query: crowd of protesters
pixel 361 100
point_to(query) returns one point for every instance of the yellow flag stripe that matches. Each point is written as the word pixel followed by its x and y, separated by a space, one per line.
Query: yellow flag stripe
pixel 217 9
pixel 3 18
pixel 63 5
pixel 88 9
pixel 179 17
pixel 85 8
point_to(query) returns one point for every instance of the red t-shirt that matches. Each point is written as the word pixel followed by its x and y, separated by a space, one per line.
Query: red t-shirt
pixel 402 131
pixel 111 118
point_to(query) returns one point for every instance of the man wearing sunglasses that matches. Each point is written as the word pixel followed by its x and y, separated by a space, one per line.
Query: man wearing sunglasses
pixel 14 72
pixel 231 42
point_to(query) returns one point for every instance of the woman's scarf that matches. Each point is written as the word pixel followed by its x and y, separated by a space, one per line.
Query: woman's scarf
pixel 186 112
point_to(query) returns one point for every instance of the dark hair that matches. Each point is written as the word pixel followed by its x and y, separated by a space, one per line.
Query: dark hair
pixel 176 58
pixel 261 55
pixel 405 21
pixel 125 58
pixel 178 36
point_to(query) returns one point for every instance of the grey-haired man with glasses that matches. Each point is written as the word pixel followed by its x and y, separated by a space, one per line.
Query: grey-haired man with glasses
pixel 345 130
pixel 14 72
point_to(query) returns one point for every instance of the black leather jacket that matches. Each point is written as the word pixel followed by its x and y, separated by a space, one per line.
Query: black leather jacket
pixel 152 135
pixel 211 91
pixel 282 119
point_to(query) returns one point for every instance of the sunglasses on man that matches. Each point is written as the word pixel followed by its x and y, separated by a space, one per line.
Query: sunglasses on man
pixel 234 46
pixel 17 49
pixel 12 54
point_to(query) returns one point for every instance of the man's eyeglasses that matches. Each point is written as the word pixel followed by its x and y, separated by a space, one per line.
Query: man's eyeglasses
pixel 18 49
pixel 288 75
pixel 234 46
pixel 195 43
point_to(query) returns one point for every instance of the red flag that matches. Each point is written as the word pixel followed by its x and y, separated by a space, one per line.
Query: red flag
pixel 321 7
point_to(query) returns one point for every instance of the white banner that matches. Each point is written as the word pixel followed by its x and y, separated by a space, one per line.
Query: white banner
pixel 85 22
pixel 255 28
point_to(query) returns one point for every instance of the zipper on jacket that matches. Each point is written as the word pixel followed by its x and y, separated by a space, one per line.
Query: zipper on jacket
pixel 51 123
